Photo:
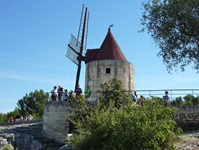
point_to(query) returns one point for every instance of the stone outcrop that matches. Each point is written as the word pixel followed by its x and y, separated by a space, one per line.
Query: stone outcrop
pixel 26 135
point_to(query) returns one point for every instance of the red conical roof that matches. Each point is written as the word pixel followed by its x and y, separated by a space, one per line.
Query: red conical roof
pixel 108 50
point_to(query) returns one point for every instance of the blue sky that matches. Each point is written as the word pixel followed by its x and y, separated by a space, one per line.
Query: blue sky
pixel 33 42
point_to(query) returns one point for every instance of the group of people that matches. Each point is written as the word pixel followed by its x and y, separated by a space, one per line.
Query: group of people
pixel 135 99
pixel 140 101
pixel 59 94
pixel 20 118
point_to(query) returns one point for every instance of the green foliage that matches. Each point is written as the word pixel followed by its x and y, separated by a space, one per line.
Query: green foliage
pixel 195 101
pixel 178 102
pixel 147 127
pixel 76 101
pixel 186 100
pixel 8 147
pixel 191 100
pixel 121 125
pixel 112 91
pixel 3 118
pixel 173 24
pixel 33 103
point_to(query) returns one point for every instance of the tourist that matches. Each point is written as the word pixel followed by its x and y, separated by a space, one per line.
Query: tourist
pixel 54 94
pixel 60 93
pixel 87 94
pixel 65 95
pixel 30 117
pixel 17 117
pixel 11 119
pixel 25 118
pixel 134 97
pixel 141 100
pixel 71 94
pixel 78 90
pixel 166 98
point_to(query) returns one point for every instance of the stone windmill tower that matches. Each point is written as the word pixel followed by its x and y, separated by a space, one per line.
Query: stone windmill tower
pixel 105 63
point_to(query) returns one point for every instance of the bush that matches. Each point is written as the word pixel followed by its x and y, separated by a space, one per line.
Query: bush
pixel 146 127
pixel 125 128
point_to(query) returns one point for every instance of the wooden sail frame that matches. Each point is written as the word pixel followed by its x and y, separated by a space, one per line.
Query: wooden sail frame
pixel 77 46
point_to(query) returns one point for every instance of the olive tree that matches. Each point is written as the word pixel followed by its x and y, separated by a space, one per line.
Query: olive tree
pixel 174 25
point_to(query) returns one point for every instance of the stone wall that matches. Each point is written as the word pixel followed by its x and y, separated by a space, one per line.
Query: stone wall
pixel 187 117
pixel 55 123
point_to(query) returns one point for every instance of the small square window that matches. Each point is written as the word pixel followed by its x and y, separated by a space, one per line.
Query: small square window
pixel 108 70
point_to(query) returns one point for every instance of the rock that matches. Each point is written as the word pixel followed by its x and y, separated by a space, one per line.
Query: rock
pixel 6 139
pixel 25 141
pixel 3 142
pixel 66 147
pixel 25 136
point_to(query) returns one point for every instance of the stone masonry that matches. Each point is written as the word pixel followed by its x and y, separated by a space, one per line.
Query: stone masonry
pixel 187 117
pixel 56 114
pixel 55 123
pixel 96 74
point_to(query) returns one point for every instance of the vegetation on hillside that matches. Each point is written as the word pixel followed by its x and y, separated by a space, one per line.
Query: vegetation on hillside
pixel 32 103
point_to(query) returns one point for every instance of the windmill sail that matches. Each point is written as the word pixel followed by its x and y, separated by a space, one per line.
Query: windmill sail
pixel 73 50
pixel 77 46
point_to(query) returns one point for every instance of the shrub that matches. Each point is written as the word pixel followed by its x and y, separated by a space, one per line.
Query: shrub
pixel 126 128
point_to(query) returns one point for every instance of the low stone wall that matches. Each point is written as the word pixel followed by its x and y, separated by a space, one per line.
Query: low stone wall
pixel 55 123
pixel 56 114
pixel 187 117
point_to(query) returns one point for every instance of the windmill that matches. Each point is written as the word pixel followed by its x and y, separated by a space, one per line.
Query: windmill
pixel 77 46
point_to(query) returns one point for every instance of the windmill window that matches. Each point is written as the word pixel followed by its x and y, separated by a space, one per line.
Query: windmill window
pixel 108 70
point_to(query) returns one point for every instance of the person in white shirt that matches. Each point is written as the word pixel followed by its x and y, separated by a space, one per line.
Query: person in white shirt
pixel 54 94
pixel 30 117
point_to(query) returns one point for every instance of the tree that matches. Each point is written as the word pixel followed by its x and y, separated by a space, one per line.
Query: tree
pixel 126 127
pixel 3 118
pixel 174 25
pixel 33 103
pixel 178 101
pixel 195 101
pixel 112 91
pixel 191 100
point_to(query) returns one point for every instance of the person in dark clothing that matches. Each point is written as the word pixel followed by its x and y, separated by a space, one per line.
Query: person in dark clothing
pixel 65 95
pixel 17 117
pixel 60 93
pixel 78 90
pixel 166 98
pixel 71 94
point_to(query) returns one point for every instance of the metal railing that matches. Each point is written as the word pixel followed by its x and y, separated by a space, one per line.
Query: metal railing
pixel 173 93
